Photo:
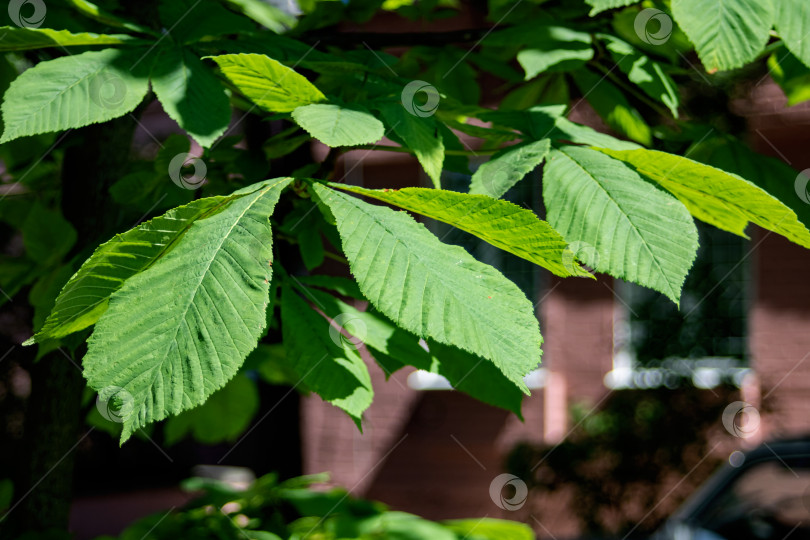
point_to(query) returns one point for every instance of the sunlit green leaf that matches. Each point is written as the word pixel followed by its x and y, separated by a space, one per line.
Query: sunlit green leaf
pixel 75 91
pixel 508 167
pixel 337 126
pixel 18 39
pixel 793 24
pixel 490 529
pixel 85 297
pixel 724 200
pixel 178 331
pixel 268 83
pixel 422 285
pixel 727 33
pixel 598 6
pixel 617 222
pixel 501 223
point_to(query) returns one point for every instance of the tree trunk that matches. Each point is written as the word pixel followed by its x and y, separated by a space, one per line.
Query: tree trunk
pixel 96 157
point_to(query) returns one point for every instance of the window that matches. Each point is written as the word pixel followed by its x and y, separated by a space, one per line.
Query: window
pixel 704 341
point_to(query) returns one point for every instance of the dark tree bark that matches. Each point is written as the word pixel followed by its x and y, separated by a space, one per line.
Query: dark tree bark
pixel 96 157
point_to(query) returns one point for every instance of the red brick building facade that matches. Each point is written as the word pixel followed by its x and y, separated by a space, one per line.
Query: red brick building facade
pixel 435 452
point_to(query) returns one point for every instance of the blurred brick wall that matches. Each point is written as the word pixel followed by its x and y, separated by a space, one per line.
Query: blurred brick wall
pixel 435 453
pixel 780 315
pixel 331 441
pixel 449 452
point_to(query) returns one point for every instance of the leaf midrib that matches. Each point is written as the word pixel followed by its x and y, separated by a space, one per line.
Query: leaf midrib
pixel 484 232
pixel 196 288
pixel 477 315
pixel 744 211
pixel 60 93
pixel 166 248
pixel 626 218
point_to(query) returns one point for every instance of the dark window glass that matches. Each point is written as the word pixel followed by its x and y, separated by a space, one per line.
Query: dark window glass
pixel 712 320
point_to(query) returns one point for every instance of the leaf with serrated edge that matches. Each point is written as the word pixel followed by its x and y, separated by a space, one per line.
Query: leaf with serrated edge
pixel 508 167
pixel 727 33
pixel 326 363
pixel 598 6
pixel 637 231
pixel 177 332
pixel 223 417
pixel 773 175
pixel 268 83
pixel 84 298
pixel 19 39
pixel 337 126
pixel 793 25
pixel 722 199
pixel 490 529
pixel 191 95
pixel 435 290
pixel 420 135
pixel 394 348
pixel 72 91
pixel 501 223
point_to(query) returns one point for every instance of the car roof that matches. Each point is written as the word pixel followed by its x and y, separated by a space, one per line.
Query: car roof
pixel 775 450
